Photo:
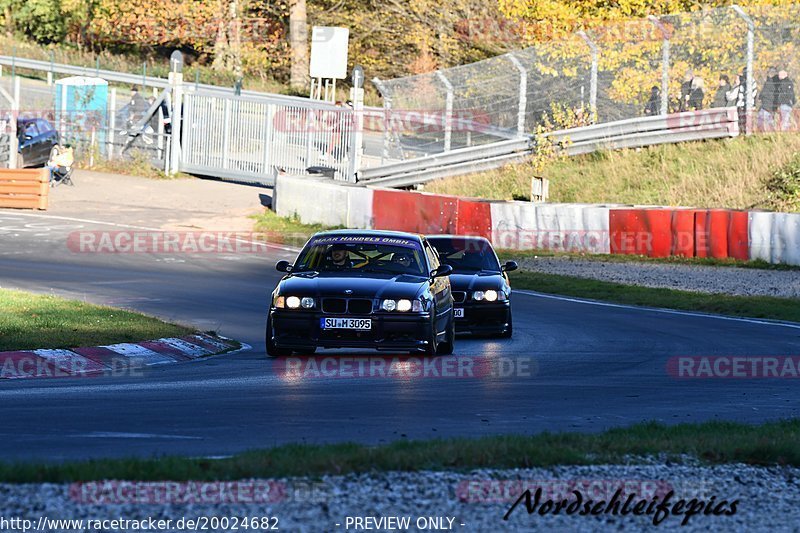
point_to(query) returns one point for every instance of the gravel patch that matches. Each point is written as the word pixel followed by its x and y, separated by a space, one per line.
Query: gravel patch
pixel 478 499
pixel 698 278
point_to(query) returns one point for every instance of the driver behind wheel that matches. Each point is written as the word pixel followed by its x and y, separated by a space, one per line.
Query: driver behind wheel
pixel 402 259
pixel 339 257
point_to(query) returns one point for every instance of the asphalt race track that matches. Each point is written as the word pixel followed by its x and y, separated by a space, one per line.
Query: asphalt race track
pixel 597 366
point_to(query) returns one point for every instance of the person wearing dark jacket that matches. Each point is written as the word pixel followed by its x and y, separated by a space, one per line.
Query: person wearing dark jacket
pixel 769 105
pixel 697 94
pixel 720 97
pixel 653 105
pixel 785 98
pixel 686 90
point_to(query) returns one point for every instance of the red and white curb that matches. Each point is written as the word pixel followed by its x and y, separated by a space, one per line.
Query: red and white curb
pixel 112 359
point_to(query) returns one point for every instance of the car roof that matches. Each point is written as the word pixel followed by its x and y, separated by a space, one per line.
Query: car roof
pixel 457 237
pixel 369 232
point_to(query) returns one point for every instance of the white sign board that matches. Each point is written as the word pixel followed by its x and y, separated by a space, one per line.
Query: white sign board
pixel 329 52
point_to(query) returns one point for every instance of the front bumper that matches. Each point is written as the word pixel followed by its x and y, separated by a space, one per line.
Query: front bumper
pixel 483 317
pixel 396 331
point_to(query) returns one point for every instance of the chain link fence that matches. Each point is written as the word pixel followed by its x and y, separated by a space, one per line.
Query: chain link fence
pixel 652 66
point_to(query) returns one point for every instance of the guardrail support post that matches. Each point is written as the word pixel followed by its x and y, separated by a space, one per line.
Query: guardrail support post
pixel 665 53
pixel 112 124
pixel 523 93
pixel 593 78
pixel 749 85
pixel 448 111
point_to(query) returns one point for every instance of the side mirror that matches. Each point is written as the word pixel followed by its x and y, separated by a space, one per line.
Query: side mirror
pixel 283 266
pixel 443 270
pixel 509 266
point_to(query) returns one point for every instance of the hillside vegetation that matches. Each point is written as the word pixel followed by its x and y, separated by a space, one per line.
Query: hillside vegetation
pixel 754 172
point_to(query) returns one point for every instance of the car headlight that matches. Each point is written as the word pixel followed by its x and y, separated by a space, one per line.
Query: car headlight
pixel 478 296
pixel 403 305
pixel 307 303
pixel 280 302
pixel 490 295
pixel 292 302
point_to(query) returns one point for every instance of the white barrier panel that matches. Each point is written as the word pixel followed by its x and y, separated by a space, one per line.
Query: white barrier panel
pixel 775 237
pixel 558 227
pixel 312 201
pixel 359 208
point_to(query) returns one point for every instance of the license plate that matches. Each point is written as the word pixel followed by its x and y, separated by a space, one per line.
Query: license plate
pixel 345 323
pixel 458 312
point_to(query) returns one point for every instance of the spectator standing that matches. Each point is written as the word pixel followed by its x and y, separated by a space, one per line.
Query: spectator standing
pixel 696 94
pixel 738 96
pixel 721 96
pixel 785 98
pixel 686 91
pixel 769 101
pixel 653 106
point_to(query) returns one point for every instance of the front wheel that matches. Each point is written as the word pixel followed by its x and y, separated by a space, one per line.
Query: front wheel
pixel 447 347
pixel 272 350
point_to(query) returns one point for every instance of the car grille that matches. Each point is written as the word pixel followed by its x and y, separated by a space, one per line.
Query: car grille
pixel 459 296
pixel 334 305
pixel 359 307
pixel 355 306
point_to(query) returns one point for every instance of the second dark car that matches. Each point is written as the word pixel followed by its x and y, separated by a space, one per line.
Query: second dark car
pixel 36 137
pixel 481 290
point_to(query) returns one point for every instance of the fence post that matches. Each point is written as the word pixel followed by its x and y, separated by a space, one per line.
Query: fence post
pixel 593 79
pixel 523 93
pixel 387 117
pixel 176 81
pixel 749 85
pixel 665 52
pixel 357 124
pixel 448 111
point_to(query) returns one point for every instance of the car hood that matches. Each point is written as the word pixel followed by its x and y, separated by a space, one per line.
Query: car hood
pixel 479 281
pixel 334 284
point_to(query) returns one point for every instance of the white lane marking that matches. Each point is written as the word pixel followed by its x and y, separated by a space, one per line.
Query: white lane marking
pixel 659 310
pixel 144 228
pixel 121 435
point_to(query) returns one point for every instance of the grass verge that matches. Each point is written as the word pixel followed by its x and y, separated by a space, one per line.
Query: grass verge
pixel 744 306
pixel 773 443
pixel 30 321
pixel 741 173
pixel 286 230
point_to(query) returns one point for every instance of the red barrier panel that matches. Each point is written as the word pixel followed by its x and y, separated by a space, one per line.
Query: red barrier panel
pixel 720 233
pixel 414 212
pixel 682 228
pixel 474 218
pixel 641 231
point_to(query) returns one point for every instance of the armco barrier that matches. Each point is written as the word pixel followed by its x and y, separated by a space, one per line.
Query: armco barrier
pixel 775 237
pixel 24 188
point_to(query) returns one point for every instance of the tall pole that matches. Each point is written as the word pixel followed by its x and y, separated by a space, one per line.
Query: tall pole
pixel 448 111
pixel 593 76
pixel 176 81
pixel 749 85
pixel 523 93
pixel 387 117
pixel 665 35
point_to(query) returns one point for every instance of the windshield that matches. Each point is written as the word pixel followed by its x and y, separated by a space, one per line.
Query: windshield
pixel 466 255
pixel 362 254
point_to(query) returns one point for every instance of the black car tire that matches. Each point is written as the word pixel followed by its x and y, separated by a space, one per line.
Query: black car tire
pixel 272 350
pixel 431 348
pixel 447 347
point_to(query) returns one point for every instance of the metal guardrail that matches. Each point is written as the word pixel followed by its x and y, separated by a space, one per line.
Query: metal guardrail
pixel 648 131
pixel 460 161
pixel 629 133
pixel 146 81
